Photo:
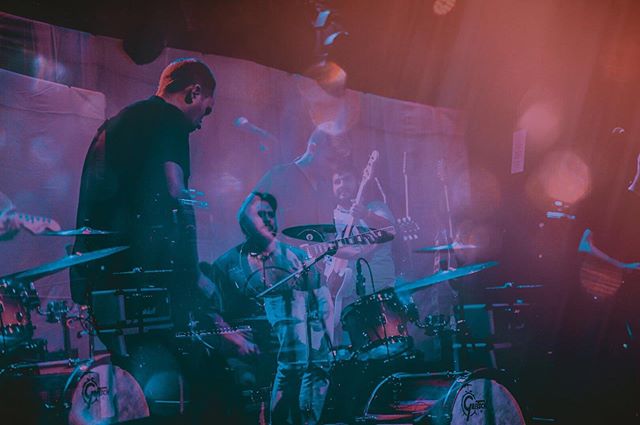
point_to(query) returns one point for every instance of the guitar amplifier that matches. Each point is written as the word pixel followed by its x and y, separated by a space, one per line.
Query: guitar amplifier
pixel 127 311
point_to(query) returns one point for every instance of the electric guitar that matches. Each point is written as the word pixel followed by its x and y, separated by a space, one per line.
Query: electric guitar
pixel 336 269
pixel 407 227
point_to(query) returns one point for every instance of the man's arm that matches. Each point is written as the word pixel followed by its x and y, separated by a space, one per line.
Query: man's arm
pixel 587 246
pixel 252 223
pixel 215 275
pixel 175 179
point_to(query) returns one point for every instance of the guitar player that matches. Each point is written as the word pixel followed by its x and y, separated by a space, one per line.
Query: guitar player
pixel 375 214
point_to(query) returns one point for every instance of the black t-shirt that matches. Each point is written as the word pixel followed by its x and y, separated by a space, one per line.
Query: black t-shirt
pixel 124 189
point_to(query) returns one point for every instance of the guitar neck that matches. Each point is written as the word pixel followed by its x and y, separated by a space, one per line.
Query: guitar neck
pixel 365 238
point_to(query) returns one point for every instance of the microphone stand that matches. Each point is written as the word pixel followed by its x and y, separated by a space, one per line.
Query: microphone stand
pixel 306 266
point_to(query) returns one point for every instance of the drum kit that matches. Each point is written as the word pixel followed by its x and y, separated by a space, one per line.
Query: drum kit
pixel 73 390
pixel 379 378
pixel 382 378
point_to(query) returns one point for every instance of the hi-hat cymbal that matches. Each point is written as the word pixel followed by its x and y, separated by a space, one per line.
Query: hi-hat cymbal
pixel 444 276
pixel 447 247
pixel 83 231
pixel 61 264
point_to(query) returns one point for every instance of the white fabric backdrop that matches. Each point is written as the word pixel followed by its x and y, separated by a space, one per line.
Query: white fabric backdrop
pixel 226 161
pixel 44 128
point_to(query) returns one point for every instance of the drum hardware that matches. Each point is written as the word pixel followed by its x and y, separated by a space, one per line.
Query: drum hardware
pixel 438 324
pixel 59 312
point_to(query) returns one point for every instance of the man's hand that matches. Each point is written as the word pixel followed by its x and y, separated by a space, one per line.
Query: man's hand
pixel 359 212
pixel 243 344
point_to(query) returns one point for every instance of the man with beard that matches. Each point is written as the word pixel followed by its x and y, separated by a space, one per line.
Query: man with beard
pixel 373 215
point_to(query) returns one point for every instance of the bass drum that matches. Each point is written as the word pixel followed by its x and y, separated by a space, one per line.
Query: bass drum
pixel 106 394
pixel 55 393
pixel 449 398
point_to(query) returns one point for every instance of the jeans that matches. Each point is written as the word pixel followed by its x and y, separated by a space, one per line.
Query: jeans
pixel 301 382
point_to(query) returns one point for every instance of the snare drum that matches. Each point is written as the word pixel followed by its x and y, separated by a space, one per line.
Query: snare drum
pixel 377 326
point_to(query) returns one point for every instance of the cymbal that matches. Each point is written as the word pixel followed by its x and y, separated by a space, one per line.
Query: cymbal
pixel 511 285
pixel 445 275
pixel 83 231
pixel 61 264
pixel 447 247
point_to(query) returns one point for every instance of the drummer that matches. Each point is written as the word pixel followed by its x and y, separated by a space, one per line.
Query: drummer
pixel 341 271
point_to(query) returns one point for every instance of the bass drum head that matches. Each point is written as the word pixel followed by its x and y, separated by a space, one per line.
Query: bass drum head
pixel 480 401
pixel 106 394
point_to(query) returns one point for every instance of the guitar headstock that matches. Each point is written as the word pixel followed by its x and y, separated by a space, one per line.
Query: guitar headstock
pixel 36 224
pixel 368 170
pixel 441 170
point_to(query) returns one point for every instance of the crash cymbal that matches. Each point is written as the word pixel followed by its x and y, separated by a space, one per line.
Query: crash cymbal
pixel 448 247
pixel 444 276
pixel 61 264
pixel 83 231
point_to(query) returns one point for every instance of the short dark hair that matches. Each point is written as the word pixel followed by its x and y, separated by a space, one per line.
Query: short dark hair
pixel 268 198
pixel 181 73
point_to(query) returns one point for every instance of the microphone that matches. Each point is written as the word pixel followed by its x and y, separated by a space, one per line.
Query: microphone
pixel 244 124
pixel 360 290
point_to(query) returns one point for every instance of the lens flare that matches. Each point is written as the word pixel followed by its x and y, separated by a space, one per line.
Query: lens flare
pixel 562 176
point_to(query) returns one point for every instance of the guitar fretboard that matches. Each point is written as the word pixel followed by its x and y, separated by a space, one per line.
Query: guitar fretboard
pixel 365 238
